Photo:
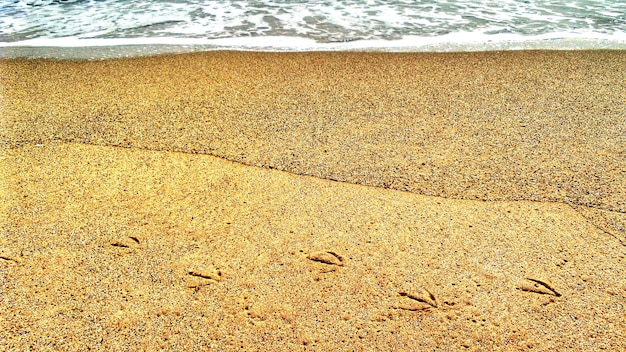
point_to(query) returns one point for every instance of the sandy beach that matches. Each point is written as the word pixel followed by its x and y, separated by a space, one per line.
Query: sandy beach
pixel 314 201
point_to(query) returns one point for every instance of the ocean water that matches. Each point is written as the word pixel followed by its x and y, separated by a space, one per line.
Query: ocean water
pixel 103 28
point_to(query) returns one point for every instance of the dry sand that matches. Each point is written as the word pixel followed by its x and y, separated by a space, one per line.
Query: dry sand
pixel 191 202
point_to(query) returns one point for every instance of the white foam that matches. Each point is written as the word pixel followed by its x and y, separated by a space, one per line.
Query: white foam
pixel 311 26
pixel 462 41
pixel 362 17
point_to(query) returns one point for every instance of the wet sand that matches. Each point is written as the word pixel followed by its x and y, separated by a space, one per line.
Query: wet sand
pixel 330 201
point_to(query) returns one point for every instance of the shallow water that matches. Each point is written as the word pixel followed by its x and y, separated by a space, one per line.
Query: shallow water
pixel 293 25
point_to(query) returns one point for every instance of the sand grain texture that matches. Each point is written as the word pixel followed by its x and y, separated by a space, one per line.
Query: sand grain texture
pixel 546 126
pixel 192 202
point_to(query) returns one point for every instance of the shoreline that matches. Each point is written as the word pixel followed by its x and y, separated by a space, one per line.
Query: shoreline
pixel 104 49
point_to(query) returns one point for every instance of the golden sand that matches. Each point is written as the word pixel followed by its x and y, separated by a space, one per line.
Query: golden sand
pixel 481 205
